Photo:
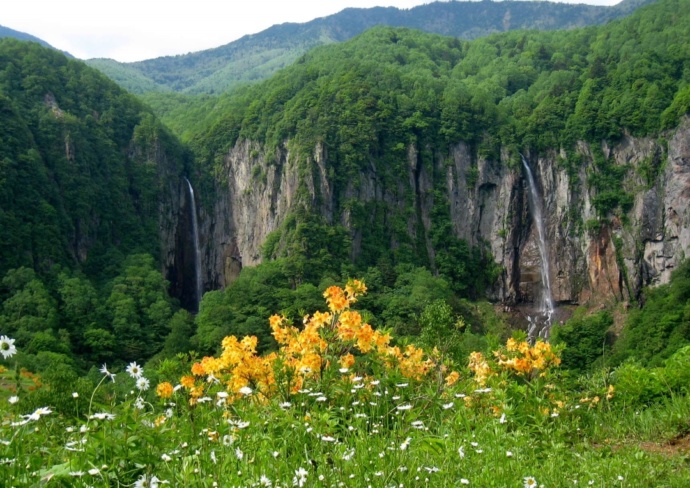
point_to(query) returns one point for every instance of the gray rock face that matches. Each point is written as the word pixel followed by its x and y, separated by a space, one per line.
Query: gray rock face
pixel 488 205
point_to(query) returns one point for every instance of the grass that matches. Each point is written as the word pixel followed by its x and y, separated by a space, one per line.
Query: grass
pixel 338 406
pixel 360 436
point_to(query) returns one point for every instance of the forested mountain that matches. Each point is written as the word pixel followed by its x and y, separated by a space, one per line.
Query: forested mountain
pixel 403 146
pixel 88 192
pixel 255 57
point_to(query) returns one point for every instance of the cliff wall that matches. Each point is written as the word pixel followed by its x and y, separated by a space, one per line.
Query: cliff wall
pixel 593 257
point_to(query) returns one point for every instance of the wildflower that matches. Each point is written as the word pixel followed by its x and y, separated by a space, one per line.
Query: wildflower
pixel 509 454
pixel 143 384
pixel 461 452
pixel 418 424
pixel 238 453
pixel 502 420
pixel 285 405
pixel 7 347
pixel 245 390
pixel 94 471
pixel 446 406
pixel 265 481
pixel 75 395
pixel 228 440
pixel 38 413
pixel 165 457
pixel 321 399
pixel 76 474
pixel 102 416
pixel 145 482
pixel 139 403
pixel 464 481
pixel 327 438
pixel 404 407
pixel 164 390
pixel 13 399
pixel 452 378
pixel 405 444
pixel 134 370
pixel 530 482
pixel 347 455
pixel 300 477
pixel 213 457
pixel 104 370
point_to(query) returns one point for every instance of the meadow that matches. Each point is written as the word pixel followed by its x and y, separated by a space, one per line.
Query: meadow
pixel 340 404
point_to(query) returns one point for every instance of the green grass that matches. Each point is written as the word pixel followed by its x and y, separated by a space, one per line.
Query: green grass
pixel 357 436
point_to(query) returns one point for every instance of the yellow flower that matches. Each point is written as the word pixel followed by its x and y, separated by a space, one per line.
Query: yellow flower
pixel 164 390
pixel 347 360
pixel 452 378
pixel 198 369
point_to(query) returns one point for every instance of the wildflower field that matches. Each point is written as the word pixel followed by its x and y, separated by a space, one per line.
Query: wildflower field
pixel 340 404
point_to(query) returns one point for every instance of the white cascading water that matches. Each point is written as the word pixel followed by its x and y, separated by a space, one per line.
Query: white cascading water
pixel 197 252
pixel 539 326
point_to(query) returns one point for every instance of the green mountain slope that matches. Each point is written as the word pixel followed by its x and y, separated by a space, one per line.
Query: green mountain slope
pixel 79 180
pixel 256 57
pixel 365 132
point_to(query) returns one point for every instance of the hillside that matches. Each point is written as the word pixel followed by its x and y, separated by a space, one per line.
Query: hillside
pixel 258 56
pixel 408 144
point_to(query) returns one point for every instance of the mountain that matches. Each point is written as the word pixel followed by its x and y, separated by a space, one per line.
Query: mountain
pixel 23 36
pixel 405 147
pixel 255 57
pixel 86 168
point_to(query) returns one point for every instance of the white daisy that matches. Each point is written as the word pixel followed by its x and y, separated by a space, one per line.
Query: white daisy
pixel 143 384
pixel 134 370
pixel 7 347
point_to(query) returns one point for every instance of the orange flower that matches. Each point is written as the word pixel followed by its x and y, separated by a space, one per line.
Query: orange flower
pixel 187 381
pixel 164 390
pixel 452 378
pixel 198 369
pixel 347 360
pixel 335 297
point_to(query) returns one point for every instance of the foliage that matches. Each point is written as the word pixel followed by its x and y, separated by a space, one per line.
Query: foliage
pixel 360 426
pixel 585 339
pixel 660 327
pixel 80 183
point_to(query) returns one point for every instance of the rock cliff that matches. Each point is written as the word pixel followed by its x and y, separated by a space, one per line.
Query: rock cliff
pixel 594 257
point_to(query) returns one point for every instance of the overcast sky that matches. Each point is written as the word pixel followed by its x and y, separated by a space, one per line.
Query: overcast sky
pixel 132 30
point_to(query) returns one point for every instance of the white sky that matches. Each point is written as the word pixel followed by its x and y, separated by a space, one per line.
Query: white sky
pixel 132 30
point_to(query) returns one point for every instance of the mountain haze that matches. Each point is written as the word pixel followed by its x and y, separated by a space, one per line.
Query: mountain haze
pixel 257 56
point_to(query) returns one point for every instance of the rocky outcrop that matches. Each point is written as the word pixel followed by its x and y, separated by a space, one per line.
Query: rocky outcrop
pixel 593 258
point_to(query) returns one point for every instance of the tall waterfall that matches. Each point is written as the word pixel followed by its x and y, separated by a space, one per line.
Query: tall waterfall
pixel 546 307
pixel 197 252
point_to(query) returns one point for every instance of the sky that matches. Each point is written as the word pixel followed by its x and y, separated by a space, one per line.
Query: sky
pixel 133 30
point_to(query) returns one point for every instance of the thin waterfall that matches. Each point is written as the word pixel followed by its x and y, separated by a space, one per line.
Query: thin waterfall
pixel 195 235
pixel 546 307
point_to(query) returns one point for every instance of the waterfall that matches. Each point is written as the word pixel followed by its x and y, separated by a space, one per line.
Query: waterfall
pixel 195 235
pixel 546 307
